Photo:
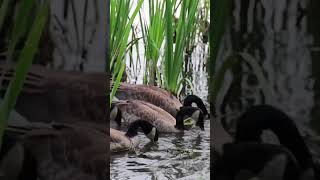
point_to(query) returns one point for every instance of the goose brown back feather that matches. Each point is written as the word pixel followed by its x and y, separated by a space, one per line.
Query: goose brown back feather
pixel 59 96
pixel 68 152
pixel 119 142
pixel 151 95
pixel 135 109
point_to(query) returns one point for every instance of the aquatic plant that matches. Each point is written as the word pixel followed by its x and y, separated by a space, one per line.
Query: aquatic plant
pixel 155 36
pixel 219 16
pixel 120 27
pixel 174 55
pixel 26 55
pixel 160 28
pixel 204 13
pixel 135 64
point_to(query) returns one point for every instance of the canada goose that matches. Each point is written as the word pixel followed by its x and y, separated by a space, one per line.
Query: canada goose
pixel 243 161
pixel 248 139
pixel 61 151
pixel 132 110
pixel 59 96
pixel 158 97
pixel 120 141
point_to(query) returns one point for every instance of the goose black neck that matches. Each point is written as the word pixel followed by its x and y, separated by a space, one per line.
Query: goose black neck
pixel 134 127
pixel 188 111
pixel 195 99
pixel 265 117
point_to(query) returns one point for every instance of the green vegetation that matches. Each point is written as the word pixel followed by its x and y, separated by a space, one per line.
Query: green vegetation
pixel 120 27
pixel 155 36
pixel 220 13
pixel 26 55
pixel 168 31
pixel 174 58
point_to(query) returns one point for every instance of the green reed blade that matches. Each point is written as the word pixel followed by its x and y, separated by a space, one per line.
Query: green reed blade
pixel 24 62
pixel 120 35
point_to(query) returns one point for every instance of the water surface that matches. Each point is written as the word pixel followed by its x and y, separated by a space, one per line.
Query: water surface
pixel 175 156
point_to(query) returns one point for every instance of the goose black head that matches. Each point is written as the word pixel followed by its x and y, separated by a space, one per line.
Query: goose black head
pixel 265 117
pixel 195 99
pixel 115 114
pixel 147 128
pixel 193 113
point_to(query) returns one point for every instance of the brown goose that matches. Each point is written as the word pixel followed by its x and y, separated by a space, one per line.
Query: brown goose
pixel 132 110
pixel 121 141
pixel 158 97
pixel 62 96
pixel 62 151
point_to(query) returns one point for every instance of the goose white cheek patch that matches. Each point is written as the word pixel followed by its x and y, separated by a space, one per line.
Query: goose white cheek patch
pixel 195 115
pixel 152 134
pixel 113 113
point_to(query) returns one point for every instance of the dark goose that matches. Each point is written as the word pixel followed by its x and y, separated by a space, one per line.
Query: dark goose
pixel 248 152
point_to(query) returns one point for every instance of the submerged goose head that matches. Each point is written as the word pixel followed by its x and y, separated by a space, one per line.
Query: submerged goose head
pixel 147 128
pixel 121 141
pixel 190 99
pixel 189 112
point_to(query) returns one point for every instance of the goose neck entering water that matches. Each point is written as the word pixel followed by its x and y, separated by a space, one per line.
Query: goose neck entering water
pixel 148 129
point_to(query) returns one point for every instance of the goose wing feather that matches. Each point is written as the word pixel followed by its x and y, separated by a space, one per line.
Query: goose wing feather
pixel 132 92
pixel 68 152
pixel 134 110
pixel 52 95
pixel 119 142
